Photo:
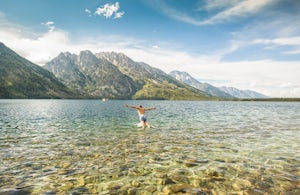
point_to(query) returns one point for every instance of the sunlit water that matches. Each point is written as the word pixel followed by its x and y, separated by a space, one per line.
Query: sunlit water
pixel 94 147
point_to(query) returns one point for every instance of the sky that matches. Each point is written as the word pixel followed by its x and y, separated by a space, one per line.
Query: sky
pixel 247 44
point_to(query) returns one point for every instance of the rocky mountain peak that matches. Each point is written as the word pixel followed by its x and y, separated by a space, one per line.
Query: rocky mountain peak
pixel 118 59
pixel 184 77
pixel 86 56
pixel 66 54
pixel 65 57
pixel 86 53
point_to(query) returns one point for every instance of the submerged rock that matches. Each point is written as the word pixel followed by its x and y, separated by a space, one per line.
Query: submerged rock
pixel 184 188
pixel 13 191
pixel 241 184
pixel 190 162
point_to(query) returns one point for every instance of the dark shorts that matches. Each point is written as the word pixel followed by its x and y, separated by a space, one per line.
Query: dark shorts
pixel 143 118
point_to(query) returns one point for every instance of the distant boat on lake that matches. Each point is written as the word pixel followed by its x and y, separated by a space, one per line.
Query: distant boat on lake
pixel 104 99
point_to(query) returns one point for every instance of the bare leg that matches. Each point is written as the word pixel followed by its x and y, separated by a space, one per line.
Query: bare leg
pixel 143 124
pixel 147 124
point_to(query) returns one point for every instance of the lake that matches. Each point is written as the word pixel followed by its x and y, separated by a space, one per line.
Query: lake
pixel 193 147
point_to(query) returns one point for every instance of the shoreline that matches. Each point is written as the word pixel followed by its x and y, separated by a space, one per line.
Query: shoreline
pixel 218 99
pixel 271 99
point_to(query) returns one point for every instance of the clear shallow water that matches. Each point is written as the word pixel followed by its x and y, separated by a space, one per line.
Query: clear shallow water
pixel 94 147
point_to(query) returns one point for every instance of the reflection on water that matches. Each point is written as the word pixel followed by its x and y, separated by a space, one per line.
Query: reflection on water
pixel 94 147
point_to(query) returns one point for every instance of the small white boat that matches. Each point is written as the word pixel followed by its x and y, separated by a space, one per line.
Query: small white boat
pixel 104 99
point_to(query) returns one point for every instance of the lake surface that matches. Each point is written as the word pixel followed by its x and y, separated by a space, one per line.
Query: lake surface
pixel 194 147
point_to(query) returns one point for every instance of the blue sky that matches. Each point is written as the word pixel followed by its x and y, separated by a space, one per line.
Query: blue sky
pixel 248 44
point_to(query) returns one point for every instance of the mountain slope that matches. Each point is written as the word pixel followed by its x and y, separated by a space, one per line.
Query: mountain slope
pixel 89 74
pixel 242 93
pixel 155 83
pixel 209 89
pixel 20 78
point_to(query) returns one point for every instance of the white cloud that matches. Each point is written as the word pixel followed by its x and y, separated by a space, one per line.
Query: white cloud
pixel 119 15
pixel 294 52
pixel 242 8
pixel 175 14
pixel 110 10
pixel 50 25
pixel 37 48
pixel 290 41
pixel 278 31
pixel 88 12
pixel 217 4
pixel 155 47
pixel 293 44
pixel 226 10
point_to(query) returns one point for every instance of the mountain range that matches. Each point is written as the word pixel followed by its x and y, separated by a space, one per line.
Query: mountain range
pixel 208 88
pixel 102 75
pixel 116 76
pixel 244 94
pixel 223 92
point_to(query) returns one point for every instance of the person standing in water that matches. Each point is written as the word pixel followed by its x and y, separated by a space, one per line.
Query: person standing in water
pixel 141 112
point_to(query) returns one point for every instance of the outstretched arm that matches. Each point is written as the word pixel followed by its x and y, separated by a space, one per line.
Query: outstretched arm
pixel 128 106
pixel 152 108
